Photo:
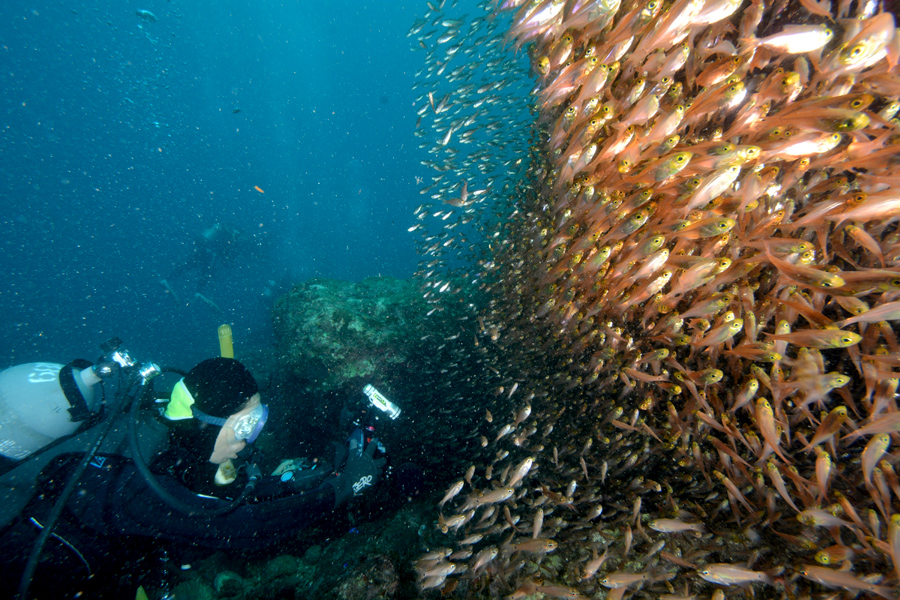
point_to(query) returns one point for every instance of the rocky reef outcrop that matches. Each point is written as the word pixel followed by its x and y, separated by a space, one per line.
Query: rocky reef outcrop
pixel 370 561
pixel 336 335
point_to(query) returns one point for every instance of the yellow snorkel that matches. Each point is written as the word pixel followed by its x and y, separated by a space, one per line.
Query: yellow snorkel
pixel 226 342
pixel 226 473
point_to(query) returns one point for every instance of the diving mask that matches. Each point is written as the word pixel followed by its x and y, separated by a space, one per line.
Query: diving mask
pixel 248 427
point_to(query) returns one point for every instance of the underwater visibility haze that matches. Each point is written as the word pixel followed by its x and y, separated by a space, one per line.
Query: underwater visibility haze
pixel 125 137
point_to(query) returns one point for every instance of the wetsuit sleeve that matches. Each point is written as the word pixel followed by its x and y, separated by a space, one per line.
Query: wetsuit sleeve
pixel 117 501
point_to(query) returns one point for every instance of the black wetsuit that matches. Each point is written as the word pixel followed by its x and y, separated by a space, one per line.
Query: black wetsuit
pixel 107 538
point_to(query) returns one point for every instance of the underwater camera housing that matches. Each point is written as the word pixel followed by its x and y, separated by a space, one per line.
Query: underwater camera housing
pixel 366 424
pixel 380 401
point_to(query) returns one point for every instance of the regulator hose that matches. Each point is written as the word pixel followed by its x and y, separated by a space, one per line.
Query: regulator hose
pixel 166 496
pixel 135 392
pixel 38 548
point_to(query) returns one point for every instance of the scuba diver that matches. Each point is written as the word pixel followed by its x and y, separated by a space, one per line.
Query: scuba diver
pixel 219 244
pixel 182 471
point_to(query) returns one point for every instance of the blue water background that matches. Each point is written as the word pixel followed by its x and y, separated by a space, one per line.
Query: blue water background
pixel 119 143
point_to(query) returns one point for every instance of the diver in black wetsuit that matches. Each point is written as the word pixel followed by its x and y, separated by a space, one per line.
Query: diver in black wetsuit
pixel 203 489
pixel 219 245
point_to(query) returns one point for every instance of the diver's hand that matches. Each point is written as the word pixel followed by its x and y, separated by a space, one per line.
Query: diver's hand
pixel 361 471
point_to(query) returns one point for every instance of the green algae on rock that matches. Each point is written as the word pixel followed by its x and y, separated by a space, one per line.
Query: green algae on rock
pixel 334 335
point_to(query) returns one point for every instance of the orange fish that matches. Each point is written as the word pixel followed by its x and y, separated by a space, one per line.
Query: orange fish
pixel 258 189
pixel 765 418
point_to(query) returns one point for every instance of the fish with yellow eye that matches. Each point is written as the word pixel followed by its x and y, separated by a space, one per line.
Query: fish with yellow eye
pixel 666 167
pixel 889 111
pixel 865 240
pixel 653 244
pixel 834 380
pixel 664 125
pixel 674 61
pixel 834 555
pixel 821 339
pixel 668 144
pixel 647 291
pixel 719 335
pixel 729 574
pixel 796 144
pixel 889 311
pixel 705 376
pixel 707 227
pixel 828 120
pixel 588 131
pixel 855 101
pixel 595 82
pixel 765 421
pixel 865 49
pixel 806 275
pixel 634 93
pixel 780 245
pixel 595 260
pixel 567 81
pixel 699 274
pixel 614 145
pixel 872 453
pixel 724 97
pixel 868 280
pixel 718 71
pixel 712 186
pixel 864 207
pixel 630 225
pixel 647 13
pixel 561 51
pixel 724 155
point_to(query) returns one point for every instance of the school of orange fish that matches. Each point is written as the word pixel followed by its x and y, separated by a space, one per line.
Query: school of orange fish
pixel 685 278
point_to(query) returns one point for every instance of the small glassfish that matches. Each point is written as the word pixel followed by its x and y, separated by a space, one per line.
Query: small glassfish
pixel 843 579
pixel 452 492
pixel 726 574
pixel 796 39
pixel 819 338
pixel 537 546
pixel 675 526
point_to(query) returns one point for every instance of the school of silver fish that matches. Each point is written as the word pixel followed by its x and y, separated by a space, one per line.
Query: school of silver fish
pixel 683 272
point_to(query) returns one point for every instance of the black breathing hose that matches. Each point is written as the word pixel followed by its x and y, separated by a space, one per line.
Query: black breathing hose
pixel 163 494
pixel 135 392
pixel 38 548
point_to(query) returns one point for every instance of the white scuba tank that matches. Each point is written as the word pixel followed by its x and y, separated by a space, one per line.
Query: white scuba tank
pixel 34 410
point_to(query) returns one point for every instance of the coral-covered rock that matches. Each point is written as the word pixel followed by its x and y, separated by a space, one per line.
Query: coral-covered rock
pixel 336 335
pixel 195 589
pixel 375 579
pixel 229 584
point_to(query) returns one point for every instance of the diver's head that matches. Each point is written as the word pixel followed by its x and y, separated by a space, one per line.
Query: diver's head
pixel 215 411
